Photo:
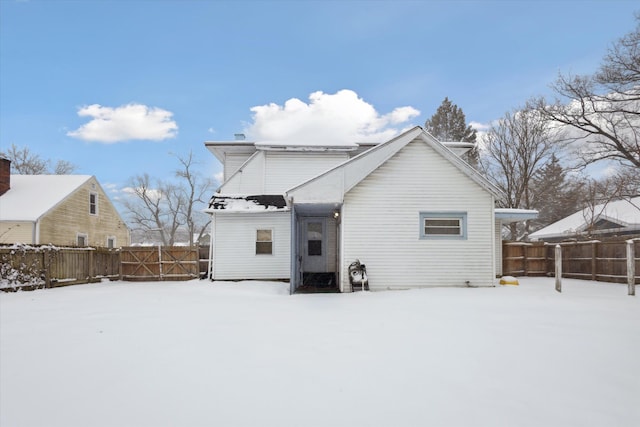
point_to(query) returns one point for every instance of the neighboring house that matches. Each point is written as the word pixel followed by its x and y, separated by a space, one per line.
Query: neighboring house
pixel 410 209
pixel 69 210
pixel 614 218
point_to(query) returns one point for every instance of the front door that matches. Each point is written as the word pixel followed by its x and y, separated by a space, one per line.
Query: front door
pixel 314 245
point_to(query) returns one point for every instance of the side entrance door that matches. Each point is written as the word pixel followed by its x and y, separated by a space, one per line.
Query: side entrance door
pixel 314 245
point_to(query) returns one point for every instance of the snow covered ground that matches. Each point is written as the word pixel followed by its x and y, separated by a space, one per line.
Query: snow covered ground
pixel 248 354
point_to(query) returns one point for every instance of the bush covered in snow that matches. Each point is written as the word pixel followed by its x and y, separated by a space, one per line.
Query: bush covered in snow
pixel 18 270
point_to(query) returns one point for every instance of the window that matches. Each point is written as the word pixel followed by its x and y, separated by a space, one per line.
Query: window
pixel 111 242
pixel 314 239
pixel 82 240
pixel 443 225
pixel 264 242
pixel 93 203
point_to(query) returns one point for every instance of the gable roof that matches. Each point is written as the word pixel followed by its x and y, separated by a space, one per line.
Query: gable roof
pixel 625 213
pixel 31 196
pixel 334 183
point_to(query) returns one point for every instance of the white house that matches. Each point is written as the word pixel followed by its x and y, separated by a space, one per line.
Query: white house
pixel 410 209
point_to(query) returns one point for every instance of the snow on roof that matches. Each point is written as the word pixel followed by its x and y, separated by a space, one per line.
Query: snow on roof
pixel 31 196
pixel 514 215
pixel 258 203
pixel 625 212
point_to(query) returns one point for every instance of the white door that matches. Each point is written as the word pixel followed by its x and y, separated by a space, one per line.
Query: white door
pixel 314 245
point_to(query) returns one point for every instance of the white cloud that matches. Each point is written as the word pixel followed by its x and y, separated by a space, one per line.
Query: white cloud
pixel 480 127
pixel 331 119
pixel 219 177
pixel 151 193
pixel 124 123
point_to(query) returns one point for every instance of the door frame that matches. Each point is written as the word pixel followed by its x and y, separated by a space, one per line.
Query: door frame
pixel 304 245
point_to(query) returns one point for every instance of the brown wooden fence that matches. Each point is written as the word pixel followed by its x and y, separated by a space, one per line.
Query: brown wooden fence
pixel 160 263
pixel 593 260
pixel 29 267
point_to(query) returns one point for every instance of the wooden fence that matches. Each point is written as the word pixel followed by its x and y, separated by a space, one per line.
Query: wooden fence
pixel 592 260
pixel 29 267
pixel 160 263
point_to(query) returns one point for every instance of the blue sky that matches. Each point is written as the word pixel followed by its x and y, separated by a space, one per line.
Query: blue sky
pixel 115 86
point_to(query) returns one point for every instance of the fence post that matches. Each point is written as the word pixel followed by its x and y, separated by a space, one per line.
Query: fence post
pixel 631 267
pixel 46 264
pixel 90 267
pixel 160 260
pixel 558 268
pixel 594 263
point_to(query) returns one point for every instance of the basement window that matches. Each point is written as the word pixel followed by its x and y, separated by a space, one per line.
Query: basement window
pixel 264 242
pixel 443 225
pixel 82 240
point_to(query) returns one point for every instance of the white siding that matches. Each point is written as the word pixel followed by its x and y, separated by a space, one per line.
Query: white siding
pixel 235 246
pixel 332 242
pixel 232 162
pixel 381 227
pixel 287 169
pixel 498 240
pixel 249 180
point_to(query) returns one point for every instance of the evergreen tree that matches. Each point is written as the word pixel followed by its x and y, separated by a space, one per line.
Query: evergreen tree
pixel 555 195
pixel 448 124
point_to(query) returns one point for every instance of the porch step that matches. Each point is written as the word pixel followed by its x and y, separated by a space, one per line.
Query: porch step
pixel 318 283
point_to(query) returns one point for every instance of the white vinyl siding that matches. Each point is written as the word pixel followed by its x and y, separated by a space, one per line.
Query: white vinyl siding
pixel 380 223
pixel 332 243
pixel 274 172
pixel 249 180
pixel 232 163
pixel 498 240
pixel 286 169
pixel 235 246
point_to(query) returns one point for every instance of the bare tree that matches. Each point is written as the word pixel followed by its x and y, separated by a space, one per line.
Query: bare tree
pixel 513 150
pixel 24 162
pixel 170 209
pixel 196 192
pixel 154 206
pixel 603 109
pixel 623 185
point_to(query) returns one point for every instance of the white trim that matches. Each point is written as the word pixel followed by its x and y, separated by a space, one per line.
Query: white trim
pixel 272 241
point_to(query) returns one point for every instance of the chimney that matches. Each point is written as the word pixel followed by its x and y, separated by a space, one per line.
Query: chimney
pixel 5 175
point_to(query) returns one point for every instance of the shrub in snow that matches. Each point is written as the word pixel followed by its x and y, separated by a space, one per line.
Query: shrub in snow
pixel 18 270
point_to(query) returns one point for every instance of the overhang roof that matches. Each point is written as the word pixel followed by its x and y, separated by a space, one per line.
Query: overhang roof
pixel 514 215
